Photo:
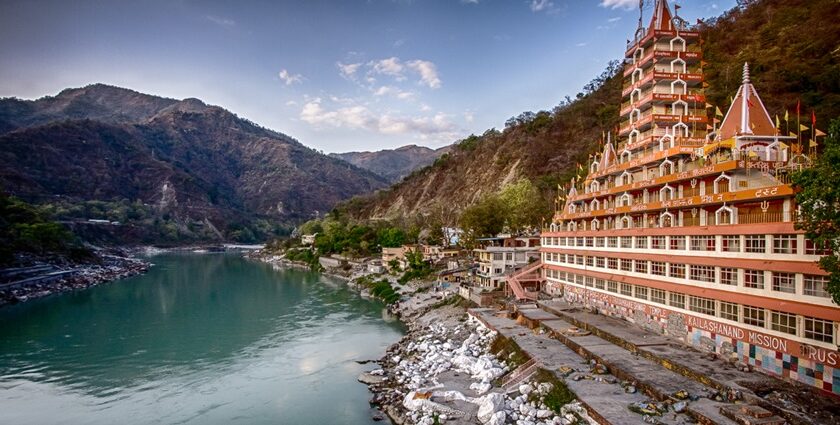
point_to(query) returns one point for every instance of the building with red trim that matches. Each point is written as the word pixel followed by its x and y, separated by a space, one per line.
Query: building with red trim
pixel 688 230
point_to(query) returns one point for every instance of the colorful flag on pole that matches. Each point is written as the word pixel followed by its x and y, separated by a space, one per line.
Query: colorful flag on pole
pixel 803 127
pixel 718 112
pixel 787 118
pixel 798 107
pixel 818 133
pixel 778 123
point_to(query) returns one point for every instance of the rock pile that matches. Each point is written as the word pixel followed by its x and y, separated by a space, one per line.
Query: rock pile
pixel 420 372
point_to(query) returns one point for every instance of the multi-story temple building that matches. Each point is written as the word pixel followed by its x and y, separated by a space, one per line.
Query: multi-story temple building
pixel 690 231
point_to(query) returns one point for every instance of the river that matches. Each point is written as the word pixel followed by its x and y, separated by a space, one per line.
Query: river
pixel 199 339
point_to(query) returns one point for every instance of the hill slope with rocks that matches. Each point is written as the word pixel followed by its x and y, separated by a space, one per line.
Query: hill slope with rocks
pixel 394 164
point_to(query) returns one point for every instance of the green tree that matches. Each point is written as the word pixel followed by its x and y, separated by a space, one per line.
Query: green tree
pixel 818 197
pixel 523 204
pixel 485 218
pixel 391 237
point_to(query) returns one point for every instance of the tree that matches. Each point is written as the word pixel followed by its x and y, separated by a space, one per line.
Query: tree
pixel 485 218
pixel 523 204
pixel 818 197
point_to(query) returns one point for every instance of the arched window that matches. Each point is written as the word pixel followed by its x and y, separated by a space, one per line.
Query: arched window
pixel 633 137
pixel 625 178
pixel 666 193
pixel 626 222
pixel 725 215
pixel 678 65
pixel 680 129
pixel 595 204
pixel 635 115
pixel 626 156
pixel 595 224
pixel 679 107
pixel 666 219
pixel 679 86
pixel 723 184
pixel 678 44
pixel 638 54
pixel 666 167
pixel 625 200
pixel 666 141
pixel 594 186
pixel 637 94
pixel 637 75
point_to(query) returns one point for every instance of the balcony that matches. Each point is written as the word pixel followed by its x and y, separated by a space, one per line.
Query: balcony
pixel 688 221
pixel 689 32
pixel 691 56
pixel 647 119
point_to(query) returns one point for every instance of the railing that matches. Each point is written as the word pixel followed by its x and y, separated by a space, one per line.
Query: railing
pixel 521 373
pixel 516 287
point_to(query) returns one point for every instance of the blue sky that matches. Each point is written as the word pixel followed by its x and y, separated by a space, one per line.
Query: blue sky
pixel 336 75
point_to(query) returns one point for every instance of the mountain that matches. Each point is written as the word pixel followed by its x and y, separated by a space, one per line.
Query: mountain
pixel 168 170
pixel 793 51
pixel 394 164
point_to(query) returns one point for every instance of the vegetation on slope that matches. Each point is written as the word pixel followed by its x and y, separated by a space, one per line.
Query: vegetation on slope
pixel 24 231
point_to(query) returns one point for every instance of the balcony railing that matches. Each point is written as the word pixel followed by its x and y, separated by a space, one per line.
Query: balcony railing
pixel 688 220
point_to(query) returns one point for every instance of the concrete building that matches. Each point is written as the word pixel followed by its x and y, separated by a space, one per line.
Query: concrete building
pixel 500 256
pixel 692 234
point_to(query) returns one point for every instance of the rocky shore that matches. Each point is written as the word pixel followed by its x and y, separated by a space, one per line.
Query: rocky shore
pixel 111 266
pixel 444 371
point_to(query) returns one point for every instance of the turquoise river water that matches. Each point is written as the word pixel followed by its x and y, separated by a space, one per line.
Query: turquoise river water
pixel 199 339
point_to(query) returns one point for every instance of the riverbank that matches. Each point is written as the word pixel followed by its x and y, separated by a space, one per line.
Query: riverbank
pixel 451 368
pixel 28 283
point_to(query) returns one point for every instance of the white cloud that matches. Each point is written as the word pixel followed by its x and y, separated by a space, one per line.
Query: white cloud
pixel 393 91
pixel 399 42
pixel 222 22
pixel 359 117
pixel 469 1
pixel 469 116
pixel 541 5
pixel 428 73
pixel 289 78
pixel 616 19
pixel 581 44
pixel 391 66
pixel 291 103
pixel 615 4
pixel 348 70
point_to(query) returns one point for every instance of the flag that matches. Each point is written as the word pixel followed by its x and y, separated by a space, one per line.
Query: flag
pixel 677 7
pixel 778 123
pixel 803 127
pixel 798 107
pixel 718 112
pixel 813 144
pixel 705 85
pixel 709 105
pixel 787 118
pixel 818 133
pixel 703 63
pixel 749 102
pixel 813 119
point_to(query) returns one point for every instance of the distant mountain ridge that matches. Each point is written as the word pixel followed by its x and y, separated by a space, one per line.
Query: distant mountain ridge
pixel 200 169
pixel 394 164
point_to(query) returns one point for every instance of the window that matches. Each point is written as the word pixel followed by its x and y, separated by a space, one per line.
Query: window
pixel 612 263
pixel 599 242
pixel 580 241
pixel 641 242
pixel 590 261
pixel 677 300
pixel 755 243
pixel 497 256
pixel 590 281
pixel 561 241
pixel 657 268
pixel 579 260
pixel 589 241
pixel 702 273
pixel 731 244
pixel 657 295
pixel 612 286
pixel 728 311
pixel 626 289
pixel 641 266
pixel 754 279
pixel 818 329
pixel 612 242
pixel 813 248
pixel 657 242
pixel 627 242
pixel 626 265
pixel 815 285
pixel 599 283
pixel 509 256
pixel 641 292
pixel 754 316
pixel 677 271
pixel 702 243
pixel 579 279
pixel 729 276
pixel 784 282
pixel 783 322
pixel 701 305
pixel 677 242
pixel 784 244
pixel 599 262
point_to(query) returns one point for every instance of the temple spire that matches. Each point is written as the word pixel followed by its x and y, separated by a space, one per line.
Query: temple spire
pixel 747 114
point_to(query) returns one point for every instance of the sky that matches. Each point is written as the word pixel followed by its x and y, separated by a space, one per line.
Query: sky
pixel 346 75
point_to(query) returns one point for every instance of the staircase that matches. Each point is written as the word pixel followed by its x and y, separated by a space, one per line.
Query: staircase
pixel 517 376
pixel 514 280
